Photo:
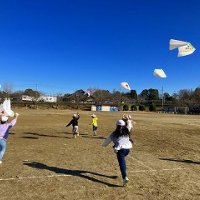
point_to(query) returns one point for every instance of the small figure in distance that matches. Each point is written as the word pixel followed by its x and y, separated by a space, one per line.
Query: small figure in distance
pixel 74 123
pixel 94 124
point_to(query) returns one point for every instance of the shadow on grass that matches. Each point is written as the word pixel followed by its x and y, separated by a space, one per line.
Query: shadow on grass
pixel 94 137
pixel 180 160
pixel 29 137
pixel 76 173
pixel 42 135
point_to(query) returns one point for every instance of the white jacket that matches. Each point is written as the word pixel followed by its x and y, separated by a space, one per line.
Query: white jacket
pixel 122 142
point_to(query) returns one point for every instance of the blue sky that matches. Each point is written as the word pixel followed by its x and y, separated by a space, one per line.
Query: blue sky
pixel 59 46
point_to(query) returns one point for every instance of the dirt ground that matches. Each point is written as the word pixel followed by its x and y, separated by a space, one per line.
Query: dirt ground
pixel 43 161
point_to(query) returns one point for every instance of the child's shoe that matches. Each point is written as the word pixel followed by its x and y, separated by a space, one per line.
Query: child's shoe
pixel 125 181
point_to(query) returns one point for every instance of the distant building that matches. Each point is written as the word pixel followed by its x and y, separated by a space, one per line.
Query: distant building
pixel 27 98
pixel 48 98
pixel 41 98
pixel 104 108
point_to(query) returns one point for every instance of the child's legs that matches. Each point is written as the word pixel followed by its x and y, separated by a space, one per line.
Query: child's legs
pixel 75 130
pixel 94 130
pixel 2 148
pixel 121 154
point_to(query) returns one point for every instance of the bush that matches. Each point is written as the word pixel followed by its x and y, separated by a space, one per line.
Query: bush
pixel 152 107
pixel 133 108
pixel 194 109
pixel 141 107
pixel 125 107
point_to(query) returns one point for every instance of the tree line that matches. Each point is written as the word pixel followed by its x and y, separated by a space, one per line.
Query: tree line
pixel 148 97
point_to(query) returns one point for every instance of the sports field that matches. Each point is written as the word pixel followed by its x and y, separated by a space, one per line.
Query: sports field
pixel 43 161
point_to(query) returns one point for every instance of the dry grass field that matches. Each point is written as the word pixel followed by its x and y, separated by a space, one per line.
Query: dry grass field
pixel 43 161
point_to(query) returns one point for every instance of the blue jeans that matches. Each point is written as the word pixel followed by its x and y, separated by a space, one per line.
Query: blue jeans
pixel 121 154
pixel 2 148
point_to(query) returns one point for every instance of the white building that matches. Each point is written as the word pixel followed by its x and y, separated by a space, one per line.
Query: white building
pixel 27 98
pixel 104 108
pixel 41 98
pixel 48 98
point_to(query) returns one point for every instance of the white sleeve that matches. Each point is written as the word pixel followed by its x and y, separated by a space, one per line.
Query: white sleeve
pixel 107 141
pixel 129 125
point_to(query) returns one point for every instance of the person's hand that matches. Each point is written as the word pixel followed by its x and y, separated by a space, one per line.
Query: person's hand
pixel 131 141
pixel 16 114
pixel 115 150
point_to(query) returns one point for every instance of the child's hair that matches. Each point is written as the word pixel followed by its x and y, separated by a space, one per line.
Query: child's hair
pixel 4 119
pixel 93 115
pixel 121 131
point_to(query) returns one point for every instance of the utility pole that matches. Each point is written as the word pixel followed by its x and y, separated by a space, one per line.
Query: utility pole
pixel 162 98
pixel 36 87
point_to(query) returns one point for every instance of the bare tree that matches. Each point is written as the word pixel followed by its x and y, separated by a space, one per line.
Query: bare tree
pixel 7 88
pixel 101 96
pixel 185 97
pixel 196 95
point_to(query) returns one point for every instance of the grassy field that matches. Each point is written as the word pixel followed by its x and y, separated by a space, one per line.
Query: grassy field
pixel 43 161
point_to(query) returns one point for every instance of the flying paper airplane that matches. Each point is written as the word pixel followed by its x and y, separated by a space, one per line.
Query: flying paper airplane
pixel 184 48
pixel 125 85
pixel 159 73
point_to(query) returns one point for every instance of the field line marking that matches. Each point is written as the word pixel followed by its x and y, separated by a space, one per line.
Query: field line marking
pixel 156 170
pixel 192 124
pixel 142 163
pixel 67 175
pixel 33 177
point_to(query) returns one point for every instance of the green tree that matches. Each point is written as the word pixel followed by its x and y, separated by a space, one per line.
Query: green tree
pixel 153 94
pixel 152 107
pixel 133 108
pixel 125 107
pixel 32 93
pixel 144 94
pixel 142 107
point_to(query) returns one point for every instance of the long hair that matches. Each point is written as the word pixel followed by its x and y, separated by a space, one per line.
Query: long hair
pixel 121 131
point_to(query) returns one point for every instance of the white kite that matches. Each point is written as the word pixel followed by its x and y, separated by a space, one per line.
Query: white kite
pixel 5 108
pixel 159 73
pixel 125 85
pixel 184 48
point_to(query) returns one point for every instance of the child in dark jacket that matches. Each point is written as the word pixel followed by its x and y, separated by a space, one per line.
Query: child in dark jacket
pixel 74 123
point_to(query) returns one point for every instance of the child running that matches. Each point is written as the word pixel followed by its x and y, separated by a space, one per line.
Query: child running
pixel 122 145
pixel 94 124
pixel 5 126
pixel 74 123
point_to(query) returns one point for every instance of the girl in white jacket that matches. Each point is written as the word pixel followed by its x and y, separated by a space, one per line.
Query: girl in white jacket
pixel 122 145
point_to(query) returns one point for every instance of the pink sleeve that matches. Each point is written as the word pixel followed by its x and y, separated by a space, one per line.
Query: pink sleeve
pixel 13 122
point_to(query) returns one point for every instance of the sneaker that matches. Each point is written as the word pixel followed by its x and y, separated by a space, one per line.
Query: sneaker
pixel 74 136
pixel 125 181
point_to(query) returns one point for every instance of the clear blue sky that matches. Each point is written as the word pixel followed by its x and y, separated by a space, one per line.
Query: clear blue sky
pixel 59 46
